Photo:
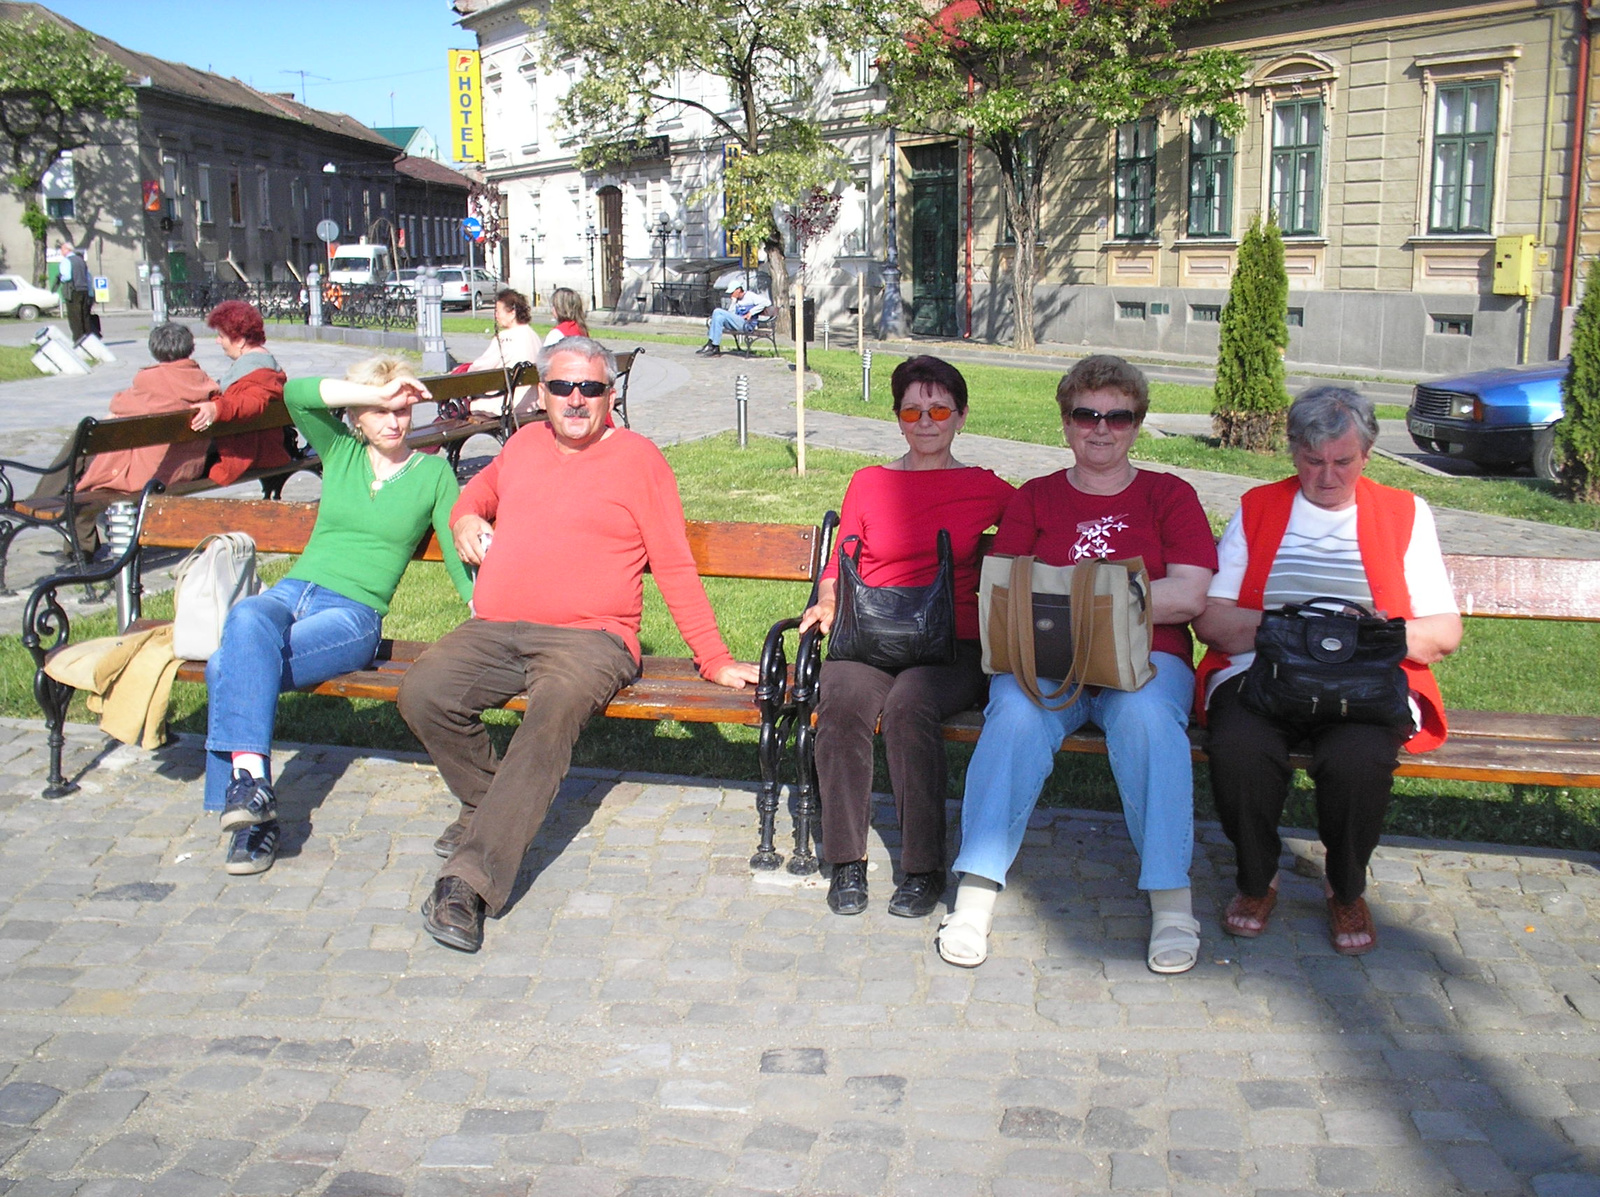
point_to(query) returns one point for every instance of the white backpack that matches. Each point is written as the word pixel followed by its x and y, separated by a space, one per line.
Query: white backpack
pixel 220 572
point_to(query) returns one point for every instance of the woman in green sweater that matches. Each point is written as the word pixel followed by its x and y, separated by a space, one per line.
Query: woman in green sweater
pixel 378 499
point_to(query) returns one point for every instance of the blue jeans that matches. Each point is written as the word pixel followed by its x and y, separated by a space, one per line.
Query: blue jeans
pixel 1148 743
pixel 295 634
pixel 721 321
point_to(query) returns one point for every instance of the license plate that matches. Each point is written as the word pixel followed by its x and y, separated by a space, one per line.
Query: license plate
pixel 1423 429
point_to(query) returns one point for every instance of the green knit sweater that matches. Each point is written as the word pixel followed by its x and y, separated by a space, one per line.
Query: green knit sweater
pixel 367 531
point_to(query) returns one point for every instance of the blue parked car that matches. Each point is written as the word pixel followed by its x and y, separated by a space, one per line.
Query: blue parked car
pixel 1498 419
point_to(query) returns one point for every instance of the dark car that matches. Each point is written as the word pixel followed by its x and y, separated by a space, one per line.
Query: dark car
pixel 1499 419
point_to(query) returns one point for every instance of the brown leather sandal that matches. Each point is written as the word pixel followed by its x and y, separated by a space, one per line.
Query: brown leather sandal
pixel 1244 910
pixel 1351 918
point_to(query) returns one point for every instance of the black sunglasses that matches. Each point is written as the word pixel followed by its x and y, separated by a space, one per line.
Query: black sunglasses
pixel 1087 417
pixel 589 388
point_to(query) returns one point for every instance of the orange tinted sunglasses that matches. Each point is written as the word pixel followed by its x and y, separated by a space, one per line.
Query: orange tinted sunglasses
pixel 910 415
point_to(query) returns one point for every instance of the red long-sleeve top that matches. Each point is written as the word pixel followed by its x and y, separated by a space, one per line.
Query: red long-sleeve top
pixel 573 533
pixel 243 400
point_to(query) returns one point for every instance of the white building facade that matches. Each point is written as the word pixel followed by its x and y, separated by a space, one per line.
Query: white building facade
pixel 614 235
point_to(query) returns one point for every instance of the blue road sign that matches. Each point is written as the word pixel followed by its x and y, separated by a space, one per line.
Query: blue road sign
pixel 472 229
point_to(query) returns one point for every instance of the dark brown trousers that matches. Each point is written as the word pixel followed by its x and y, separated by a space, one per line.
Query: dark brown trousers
pixel 908 705
pixel 1352 765
pixel 568 674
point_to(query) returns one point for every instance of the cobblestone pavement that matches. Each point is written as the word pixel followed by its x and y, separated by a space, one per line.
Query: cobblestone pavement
pixel 652 1018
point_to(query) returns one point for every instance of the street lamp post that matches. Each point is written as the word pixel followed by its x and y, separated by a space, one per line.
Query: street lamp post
pixel 531 240
pixel 664 230
pixel 591 236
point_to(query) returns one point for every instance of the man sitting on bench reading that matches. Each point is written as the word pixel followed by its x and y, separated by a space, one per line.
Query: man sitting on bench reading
pixel 575 511
pixel 740 316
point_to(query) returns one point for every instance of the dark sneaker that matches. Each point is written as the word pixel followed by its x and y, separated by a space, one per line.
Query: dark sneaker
pixel 917 895
pixel 453 914
pixel 847 892
pixel 249 801
pixel 253 849
pixel 450 839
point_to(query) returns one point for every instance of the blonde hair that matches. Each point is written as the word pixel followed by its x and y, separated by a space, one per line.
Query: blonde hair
pixel 567 304
pixel 375 371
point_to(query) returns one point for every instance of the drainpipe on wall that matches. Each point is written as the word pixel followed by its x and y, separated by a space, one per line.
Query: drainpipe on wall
pixel 1576 164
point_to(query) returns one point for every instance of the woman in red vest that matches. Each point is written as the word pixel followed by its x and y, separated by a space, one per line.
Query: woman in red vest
pixel 1325 532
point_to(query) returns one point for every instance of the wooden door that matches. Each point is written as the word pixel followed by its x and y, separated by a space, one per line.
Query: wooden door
pixel 610 246
pixel 934 229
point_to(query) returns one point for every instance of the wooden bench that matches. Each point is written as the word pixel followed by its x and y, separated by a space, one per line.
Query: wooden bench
pixel 1512 748
pixel 763 328
pixel 667 688
pixel 95 436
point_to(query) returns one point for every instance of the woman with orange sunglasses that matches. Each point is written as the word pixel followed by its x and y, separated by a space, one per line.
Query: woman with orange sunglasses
pixel 897 510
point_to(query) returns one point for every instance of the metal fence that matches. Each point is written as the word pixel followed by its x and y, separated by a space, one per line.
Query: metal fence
pixel 344 306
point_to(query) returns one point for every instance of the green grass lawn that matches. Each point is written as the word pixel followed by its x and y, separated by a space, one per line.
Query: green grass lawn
pixel 16 362
pixel 1503 665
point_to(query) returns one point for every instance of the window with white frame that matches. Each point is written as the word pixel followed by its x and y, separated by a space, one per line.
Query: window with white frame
pixel 1297 165
pixel 59 188
pixel 1465 126
pixel 1136 179
pixel 203 189
pixel 855 213
pixel 864 66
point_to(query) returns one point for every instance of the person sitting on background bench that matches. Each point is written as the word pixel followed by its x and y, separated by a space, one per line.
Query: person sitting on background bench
pixel 740 316
pixel 576 512
pixel 251 383
pixel 378 498
pixel 175 383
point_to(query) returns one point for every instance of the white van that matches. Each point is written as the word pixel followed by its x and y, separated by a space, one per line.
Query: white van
pixel 359 265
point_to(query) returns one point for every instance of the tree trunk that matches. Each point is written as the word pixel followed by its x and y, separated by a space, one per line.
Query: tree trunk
pixel 41 254
pixel 1018 195
pixel 778 268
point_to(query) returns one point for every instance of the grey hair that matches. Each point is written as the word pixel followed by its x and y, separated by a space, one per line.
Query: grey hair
pixel 1324 414
pixel 170 342
pixel 585 347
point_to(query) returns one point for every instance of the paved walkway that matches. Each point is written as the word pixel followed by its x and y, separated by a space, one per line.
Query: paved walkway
pixel 651 1018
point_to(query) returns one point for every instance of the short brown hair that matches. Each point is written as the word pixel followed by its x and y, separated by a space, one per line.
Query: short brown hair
pixel 1104 372
pixel 934 371
pixel 517 302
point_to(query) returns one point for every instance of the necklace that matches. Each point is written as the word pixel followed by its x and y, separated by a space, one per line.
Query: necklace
pixel 378 483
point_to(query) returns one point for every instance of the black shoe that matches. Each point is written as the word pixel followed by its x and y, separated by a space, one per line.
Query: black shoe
pixel 714 351
pixel 705 349
pixel 453 914
pixel 249 801
pixel 450 839
pixel 917 895
pixel 847 892
pixel 253 849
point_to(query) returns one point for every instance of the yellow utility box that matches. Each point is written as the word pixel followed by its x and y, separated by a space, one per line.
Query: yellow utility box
pixel 1513 265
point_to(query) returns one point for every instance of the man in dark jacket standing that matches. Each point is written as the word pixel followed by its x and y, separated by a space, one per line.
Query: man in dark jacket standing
pixel 76 290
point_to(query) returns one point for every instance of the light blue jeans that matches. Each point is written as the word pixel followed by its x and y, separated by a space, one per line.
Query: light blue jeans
pixel 1148 743
pixel 721 321
pixel 295 634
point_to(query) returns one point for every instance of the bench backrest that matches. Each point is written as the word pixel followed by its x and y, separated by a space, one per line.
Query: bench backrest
pixel 771 552
pixel 481 384
pixel 1525 587
pixel 96 435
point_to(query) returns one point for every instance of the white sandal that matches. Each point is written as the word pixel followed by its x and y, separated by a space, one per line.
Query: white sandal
pixel 1173 933
pixel 963 938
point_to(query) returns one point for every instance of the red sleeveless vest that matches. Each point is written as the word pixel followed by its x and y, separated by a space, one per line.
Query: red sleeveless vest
pixel 1384 517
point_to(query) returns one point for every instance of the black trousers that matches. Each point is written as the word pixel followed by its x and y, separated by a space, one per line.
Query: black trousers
pixel 909 705
pixel 1352 765
pixel 78 305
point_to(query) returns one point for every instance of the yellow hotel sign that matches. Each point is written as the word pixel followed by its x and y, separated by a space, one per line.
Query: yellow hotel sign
pixel 466 106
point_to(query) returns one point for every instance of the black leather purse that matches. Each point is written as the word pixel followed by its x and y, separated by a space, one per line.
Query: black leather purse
pixel 1315 666
pixel 894 627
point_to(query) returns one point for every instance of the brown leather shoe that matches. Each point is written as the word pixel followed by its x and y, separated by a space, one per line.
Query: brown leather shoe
pixel 1244 911
pixel 1351 919
pixel 450 839
pixel 453 914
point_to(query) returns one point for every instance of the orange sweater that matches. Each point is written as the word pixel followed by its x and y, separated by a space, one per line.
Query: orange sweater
pixel 573 533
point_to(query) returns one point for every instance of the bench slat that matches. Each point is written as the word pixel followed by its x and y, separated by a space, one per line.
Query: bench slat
pixel 1525 587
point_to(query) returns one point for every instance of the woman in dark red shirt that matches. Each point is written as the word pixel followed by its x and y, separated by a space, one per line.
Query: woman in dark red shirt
pixel 897 511
pixel 1101 507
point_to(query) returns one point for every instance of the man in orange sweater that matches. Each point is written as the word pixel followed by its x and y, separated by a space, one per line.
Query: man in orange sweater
pixel 575 511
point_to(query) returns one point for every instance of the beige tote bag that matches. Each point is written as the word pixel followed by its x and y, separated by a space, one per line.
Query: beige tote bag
pixel 1088 624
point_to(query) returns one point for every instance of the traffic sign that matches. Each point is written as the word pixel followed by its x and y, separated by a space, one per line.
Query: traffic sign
pixel 328 230
pixel 472 229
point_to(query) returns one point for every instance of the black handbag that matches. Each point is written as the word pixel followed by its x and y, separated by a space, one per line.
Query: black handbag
pixel 895 627
pixel 1314 666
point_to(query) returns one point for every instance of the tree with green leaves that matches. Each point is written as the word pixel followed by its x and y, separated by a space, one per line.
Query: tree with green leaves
pixel 1251 397
pixel 644 60
pixel 1024 76
pixel 1577 437
pixel 56 91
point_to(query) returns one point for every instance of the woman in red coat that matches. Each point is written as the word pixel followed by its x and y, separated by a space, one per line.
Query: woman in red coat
pixel 251 383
